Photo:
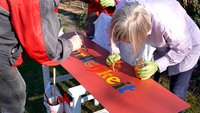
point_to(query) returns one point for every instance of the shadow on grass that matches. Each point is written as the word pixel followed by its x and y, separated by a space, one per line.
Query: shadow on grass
pixel 32 74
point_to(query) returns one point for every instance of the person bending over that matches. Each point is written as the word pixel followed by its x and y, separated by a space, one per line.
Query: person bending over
pixel 166 26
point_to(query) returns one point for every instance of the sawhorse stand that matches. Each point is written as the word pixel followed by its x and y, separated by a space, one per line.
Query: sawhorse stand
pixel 75 92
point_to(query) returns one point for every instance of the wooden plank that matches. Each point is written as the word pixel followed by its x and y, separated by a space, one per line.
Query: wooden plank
pixel 119 91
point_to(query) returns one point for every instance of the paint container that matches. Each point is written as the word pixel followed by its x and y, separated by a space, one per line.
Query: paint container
pixel 139 63
pixel 58 108
pixel 117 65
pixel 63 107
pixel 50 104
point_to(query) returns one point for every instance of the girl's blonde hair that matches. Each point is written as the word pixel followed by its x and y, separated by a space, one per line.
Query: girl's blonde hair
pixel 131 24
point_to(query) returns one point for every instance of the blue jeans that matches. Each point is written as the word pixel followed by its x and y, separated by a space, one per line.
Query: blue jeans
pixel 12 91
pixel 179 83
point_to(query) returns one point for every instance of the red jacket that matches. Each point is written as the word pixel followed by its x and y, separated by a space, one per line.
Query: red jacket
pixel 94 6
pixel 33 26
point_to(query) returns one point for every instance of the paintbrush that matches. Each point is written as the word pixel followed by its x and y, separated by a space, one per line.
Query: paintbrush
pixel 47 98
pixel 54 85
pixel 113 65
pixel 84 46
pixel 112 44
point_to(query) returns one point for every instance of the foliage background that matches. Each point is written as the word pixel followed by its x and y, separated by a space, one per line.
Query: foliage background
pixel 193 9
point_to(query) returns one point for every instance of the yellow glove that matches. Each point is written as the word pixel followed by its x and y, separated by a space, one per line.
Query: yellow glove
pixel 148 70
pixel 107 3
pixel 112 59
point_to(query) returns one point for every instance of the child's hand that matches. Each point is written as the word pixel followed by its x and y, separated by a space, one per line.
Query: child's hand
pixel 107 3
pixel 112 59
pixel 148 70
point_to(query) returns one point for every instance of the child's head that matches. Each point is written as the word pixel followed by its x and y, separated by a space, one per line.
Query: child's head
pixel 131 24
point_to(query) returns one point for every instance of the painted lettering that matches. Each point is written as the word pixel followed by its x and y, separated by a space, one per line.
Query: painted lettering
pixel 96 68
pixel 88 58
pixel 122 90
pixel 105 74
pixel 80 55
pixel 113 80
pixel 90 63
pixel 121 85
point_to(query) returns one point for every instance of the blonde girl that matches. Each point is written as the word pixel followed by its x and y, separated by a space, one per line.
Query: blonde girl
pixel 166 26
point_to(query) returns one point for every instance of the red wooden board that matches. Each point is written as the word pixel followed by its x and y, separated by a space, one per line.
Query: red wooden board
pixel 119 91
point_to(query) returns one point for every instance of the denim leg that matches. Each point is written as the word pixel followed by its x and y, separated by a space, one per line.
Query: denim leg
pixel 179 83
pixel 156 76
pixel 12 91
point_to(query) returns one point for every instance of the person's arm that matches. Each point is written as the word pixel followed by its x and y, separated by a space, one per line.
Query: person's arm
pixel 37 26
pixel 176 29
pixel 176 54
pixel 179 46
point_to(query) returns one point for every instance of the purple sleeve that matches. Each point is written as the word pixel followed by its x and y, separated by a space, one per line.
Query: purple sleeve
pixel 117 1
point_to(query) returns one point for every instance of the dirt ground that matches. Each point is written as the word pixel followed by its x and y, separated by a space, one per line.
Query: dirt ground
pixel 71 14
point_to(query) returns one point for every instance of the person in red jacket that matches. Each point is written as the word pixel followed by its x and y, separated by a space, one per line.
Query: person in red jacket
pixel 31 26
pixel 95 8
